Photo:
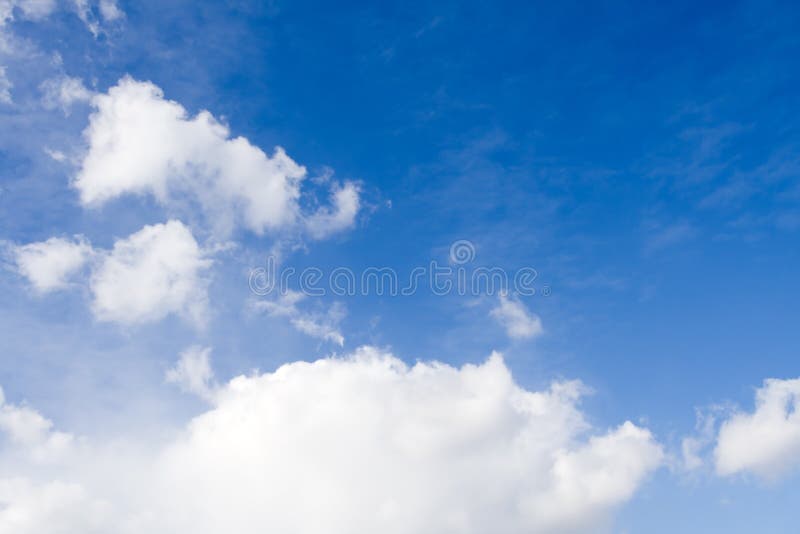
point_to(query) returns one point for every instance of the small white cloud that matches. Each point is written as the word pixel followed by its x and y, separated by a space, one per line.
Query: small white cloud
pixel 155 272
pixel 55 155
pixel 341 216
pixel 64 91
pixel 193 373
pixel 141 143
pixel 323 326
pixel 765 442
pixel 48 265
pixel 110 10
pixel 517 320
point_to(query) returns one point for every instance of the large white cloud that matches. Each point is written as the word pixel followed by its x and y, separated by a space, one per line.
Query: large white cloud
pixel 765 442
pixel 141 143
pixel 154 272
pixel 357 446
pixel 48 265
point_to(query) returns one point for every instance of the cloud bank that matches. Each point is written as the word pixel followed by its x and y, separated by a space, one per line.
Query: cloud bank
pixel 357 445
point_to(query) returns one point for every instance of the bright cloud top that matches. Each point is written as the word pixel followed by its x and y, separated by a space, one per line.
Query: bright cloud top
pixel 367 444
pixel 517 320
pixel 765 442
pixel 141 143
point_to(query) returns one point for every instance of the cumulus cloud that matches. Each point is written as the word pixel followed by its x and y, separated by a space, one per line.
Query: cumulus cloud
pixel 357 445
pixel 515 317
pixel 193 372
pixel 321 325
pixel 64 91
pixel 141 143
pixel 154 272
pixel 765 442
pixel 48 265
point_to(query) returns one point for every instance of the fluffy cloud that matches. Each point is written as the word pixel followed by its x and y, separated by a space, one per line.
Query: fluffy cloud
pixel 321 325
pixel 358 445
pixel 49 264
pixel 193 372
pixel 517 320
pixel 157 271
pixel 765 442
pixel 154 272
pixel 141 143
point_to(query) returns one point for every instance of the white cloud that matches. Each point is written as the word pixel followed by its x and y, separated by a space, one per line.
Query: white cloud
pixel 30 433
pixel 193 372
pixel 110 10
pixel 64 91
pixel 321 325
pixel 358 445
pixel 154 272
pixel 29 9
pixel 765 442
pixel 517 320
pixel 48 265
pixel 140 143
pixel 328 221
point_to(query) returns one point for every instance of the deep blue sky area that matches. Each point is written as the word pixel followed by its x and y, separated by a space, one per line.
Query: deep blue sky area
pixel 643 157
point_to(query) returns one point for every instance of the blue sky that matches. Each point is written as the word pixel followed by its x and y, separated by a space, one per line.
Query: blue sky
pixel 641 156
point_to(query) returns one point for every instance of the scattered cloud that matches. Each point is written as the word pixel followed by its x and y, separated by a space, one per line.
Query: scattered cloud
pixel 5 87
pixel 64 91
pixel 321 325
pixel 765 442
pixel 48 265
pixel 366 442
pixel 515 317
pixel 141 143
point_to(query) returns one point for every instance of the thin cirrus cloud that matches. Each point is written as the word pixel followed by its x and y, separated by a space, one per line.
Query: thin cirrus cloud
pixel 367 443
pixel 321 325
pixel 157 271
pixel 766 441
pixel 140 143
